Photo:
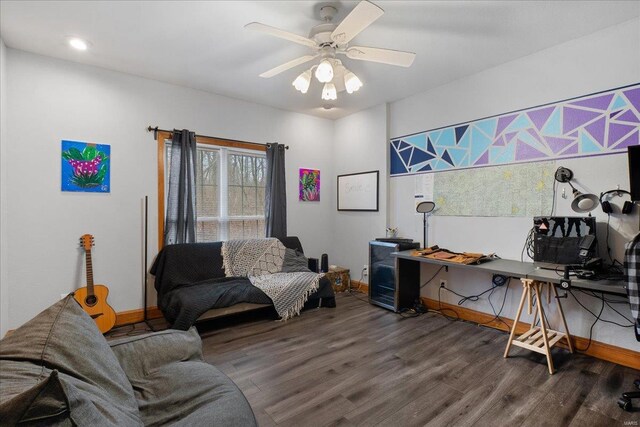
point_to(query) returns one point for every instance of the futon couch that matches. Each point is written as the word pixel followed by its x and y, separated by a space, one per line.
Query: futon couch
pixel 58 369
pixel 192 286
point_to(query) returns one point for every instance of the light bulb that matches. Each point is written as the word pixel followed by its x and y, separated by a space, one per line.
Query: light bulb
pixel 303 81
pixel 329 92
pixel 351 82
pixel 324 72
pixel 78 44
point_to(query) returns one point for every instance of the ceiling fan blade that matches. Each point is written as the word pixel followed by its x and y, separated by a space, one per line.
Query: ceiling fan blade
pixel 363 15
pixel 287 65
pixel 384 56
pixel 277 32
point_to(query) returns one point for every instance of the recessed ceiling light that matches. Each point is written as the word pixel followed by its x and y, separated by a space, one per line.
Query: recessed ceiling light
pixel 78 44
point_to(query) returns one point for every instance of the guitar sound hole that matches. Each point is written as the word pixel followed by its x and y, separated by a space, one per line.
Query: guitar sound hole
pixel 91 300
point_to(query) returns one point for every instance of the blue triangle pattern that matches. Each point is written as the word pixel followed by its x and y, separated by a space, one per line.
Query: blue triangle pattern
pixel 554 124
pixel 447 158
pixel 456 155
pixel 487 126
pixel 406 155
pixel 460 131
pixel 465 141
pixel 618 104
pixel 588 145
pixel 396 165
pixel 420 156
pixel 430 147
pixel 419 141
pixel 447 139
pixel 522 122
pixel 480 144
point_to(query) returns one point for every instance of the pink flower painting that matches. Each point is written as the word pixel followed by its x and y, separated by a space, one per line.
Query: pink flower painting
pixel 309 185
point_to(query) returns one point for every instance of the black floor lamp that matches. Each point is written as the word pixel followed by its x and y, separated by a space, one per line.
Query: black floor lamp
pixel 425 208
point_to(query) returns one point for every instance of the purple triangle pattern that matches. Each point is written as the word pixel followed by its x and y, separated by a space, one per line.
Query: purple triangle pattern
pixel 596 130
pixel 526 152
pixel 617 131
pixel 557 144
pixel 573 118
pixel 597 102
pixel 628 116
pixel 573 149
pixel 628 141
pixel 505 121
pixel 540 117
pixel 633 95
pixel 483 160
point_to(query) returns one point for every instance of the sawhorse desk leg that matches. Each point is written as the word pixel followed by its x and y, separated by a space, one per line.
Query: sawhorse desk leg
pixel 538 338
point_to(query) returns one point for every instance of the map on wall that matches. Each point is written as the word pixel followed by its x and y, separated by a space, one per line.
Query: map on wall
pixel 509 190
pixel 602 123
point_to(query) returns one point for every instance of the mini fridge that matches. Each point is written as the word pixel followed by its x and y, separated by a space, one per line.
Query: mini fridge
pixel 385 286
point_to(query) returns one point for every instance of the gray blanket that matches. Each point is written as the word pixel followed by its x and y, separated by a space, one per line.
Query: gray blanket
pixel 261 260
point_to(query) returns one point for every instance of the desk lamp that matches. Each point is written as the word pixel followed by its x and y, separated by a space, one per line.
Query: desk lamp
pixel 424 208
pixel 582 203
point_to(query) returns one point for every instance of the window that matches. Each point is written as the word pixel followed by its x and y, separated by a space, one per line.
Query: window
pixel 230 191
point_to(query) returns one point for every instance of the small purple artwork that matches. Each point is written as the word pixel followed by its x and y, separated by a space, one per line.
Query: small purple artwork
pixel 309 185
pixel 85 167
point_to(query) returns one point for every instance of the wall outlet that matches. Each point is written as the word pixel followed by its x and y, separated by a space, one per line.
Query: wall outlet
pixel 443 283
pixel 63 296
pixel 365 270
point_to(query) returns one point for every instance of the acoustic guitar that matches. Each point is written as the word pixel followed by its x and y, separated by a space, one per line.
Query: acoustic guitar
pixel 93 298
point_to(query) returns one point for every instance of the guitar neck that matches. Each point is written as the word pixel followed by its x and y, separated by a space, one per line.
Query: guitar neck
pixel 89 272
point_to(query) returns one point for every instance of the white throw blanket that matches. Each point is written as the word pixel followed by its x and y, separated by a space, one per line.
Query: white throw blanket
pixel 261 261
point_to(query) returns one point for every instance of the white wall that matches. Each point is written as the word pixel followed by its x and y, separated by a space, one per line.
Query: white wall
pixel 359 145
pixel 51 100
pixel 600 61
pixel 4 299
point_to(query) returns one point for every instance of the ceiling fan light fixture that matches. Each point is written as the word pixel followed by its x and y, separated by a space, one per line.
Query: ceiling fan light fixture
pixel 351 82
pixel 324 72
pixel 329 92
pixel 303 81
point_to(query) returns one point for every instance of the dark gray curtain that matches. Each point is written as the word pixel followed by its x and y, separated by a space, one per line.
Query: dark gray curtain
pixel 276 193
pixel 180 220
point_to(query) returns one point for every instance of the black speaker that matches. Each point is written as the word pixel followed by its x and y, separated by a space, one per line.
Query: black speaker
pixel 324 263
pixel 313 265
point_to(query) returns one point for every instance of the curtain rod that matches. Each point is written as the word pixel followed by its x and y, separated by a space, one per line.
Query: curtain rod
pixel 155 131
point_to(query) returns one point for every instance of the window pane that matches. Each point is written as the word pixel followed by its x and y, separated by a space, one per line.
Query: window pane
pixel 235 169
pixel 207 201
pixel 209 160
pixel 251 229
pixel 235 230
pixel 207 231
pixel 249 201
pixel 260 201
pixel 235 200
pixel 207 192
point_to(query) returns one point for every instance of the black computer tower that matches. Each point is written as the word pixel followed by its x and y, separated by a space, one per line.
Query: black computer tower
pixel 385 288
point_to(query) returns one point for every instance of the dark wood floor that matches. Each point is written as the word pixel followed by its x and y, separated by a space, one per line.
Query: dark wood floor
pixel 361 365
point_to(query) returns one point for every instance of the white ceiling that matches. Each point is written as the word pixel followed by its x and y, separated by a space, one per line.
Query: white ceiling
pixel 203 45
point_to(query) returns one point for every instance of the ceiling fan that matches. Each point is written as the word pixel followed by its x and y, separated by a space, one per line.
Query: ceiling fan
pixel 327 40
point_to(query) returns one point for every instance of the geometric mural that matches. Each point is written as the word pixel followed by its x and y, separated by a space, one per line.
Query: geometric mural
pixel 601 123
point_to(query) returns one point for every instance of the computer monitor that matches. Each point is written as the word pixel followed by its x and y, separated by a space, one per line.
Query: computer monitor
pixel 634 172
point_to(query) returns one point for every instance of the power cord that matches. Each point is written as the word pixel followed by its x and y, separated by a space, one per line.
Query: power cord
pixel 598 317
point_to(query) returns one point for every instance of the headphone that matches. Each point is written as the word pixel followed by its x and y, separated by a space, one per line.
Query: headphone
pixel 607 208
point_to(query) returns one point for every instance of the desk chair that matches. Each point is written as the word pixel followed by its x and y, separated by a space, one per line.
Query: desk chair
pixel 632 277
pixel 625 401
